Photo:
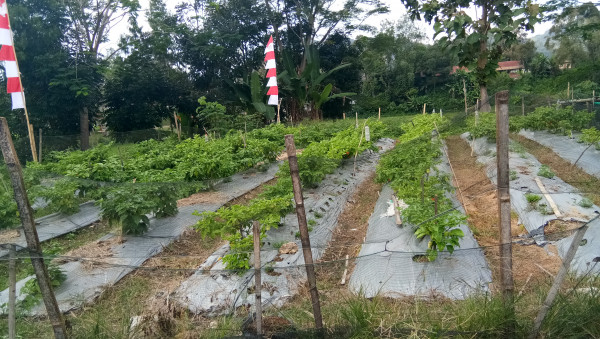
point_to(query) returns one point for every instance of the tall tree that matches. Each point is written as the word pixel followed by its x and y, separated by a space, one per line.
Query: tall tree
pixel 91 22
pixel 477 42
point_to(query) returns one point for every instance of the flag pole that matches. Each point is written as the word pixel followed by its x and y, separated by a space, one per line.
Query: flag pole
pixel 29 126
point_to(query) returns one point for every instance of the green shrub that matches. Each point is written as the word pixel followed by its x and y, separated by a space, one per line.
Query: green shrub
pixel 545 172
pixel 585 203
pixel 532 198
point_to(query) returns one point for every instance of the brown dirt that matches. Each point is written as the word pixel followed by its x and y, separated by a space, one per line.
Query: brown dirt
pixel 350 232
pixel 95 254
pixel 570 174
pixel 558 229
pixel 8 236
pixel 201 198
pixel 529 262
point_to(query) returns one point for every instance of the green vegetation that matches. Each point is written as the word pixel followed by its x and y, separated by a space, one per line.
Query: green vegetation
pixel 545 172
pixel 409 166
pixel 532 198
pixel 585 203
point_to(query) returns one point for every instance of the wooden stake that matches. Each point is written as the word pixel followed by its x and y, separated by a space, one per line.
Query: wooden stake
pixel 356 114
pixel 465 92
pixel 506 276
pixel 343 282
pixel 301 213
pixel 397 210
pixel 344 115
pixel 523 105
pixel 558 280
pixel 424 108
pixel 257 282
pixel 568 89
pixel 278 107
pixel 379 115
pixel 177 126
pixel 40 149
pixel 31 236
pixel 12 292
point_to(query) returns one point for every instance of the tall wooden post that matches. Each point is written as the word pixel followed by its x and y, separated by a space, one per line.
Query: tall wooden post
pixel 568 90
pixel 379 115
pixel 257 280
pixel 506 276
pixel 424 108
pixel 523 105
pixel 301 213
pixel 31 236
pixel 40 149
pixel 356 121
pixel 12 293
pixel 465 92
pixel 278 108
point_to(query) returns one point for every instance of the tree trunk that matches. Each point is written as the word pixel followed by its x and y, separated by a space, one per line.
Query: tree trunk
pixel 484 101
pixel 84 128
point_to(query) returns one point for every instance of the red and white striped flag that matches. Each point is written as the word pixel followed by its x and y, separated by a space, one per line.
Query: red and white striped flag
pixel 273 91
pixel 7 56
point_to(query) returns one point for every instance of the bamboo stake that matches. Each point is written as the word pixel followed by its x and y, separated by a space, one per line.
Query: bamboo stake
pixel 40 149
pixel 379 115
pixel 12 292
pixel 343 282
pixel 302 225
pixel 465 92
pixel 548 197
pixel 31 236
pixel 257 280
pixel 424 108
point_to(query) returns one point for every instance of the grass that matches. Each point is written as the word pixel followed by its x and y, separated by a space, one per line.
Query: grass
pixel 546 172
pixel 532 198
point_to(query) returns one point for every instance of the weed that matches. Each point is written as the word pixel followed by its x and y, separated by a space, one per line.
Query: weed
pixel 546 172
pixel 312 222
pixel 532 198
pixel 513 175
pixel 318 215
pixel 585 203
pixel 277 245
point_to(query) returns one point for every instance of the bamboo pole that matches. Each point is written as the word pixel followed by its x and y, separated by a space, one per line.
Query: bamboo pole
pixel 257 277
pixel 465 93
pixel 40 148
pixel 12 293
pixel 31 236
pixel 302 225
pixel 379 115
pixel 506 275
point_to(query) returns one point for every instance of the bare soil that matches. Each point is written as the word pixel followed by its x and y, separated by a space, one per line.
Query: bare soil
pixel 8 236
pixel 92 255
pixel 530 262
pixel 350 232
pixel 202 198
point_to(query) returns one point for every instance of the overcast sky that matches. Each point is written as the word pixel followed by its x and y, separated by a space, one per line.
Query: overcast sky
pixel 397 10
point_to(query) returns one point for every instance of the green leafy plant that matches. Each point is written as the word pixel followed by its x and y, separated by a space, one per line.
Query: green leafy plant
pixel 31 289
pixel 545 172
pixel 513 175
pixel 9 215
pixel 585 203
pixel 532 198
pixel 129 205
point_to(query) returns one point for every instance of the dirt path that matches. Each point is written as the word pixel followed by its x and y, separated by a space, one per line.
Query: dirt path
pixel 530 263
pixel 350 232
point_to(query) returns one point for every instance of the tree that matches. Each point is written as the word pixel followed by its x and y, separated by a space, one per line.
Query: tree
pixel 523 50
pixel 478 42
pixel 145 87
pixel 90 23
pixel 575 34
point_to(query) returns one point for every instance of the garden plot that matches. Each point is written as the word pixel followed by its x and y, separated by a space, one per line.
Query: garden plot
pixel 388 263
pixel 541 218
pixel 214 290
pixel 87 277
pixel 568 149
pixel 57 224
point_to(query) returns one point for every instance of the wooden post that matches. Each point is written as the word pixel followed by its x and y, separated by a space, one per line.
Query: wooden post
pixel 465 92
pixel 177 126
pixel 12 292
pixel 523 105
pixel 257 282
pixel 568 89
pixel 379 115
pixel 344 115
pixel 301 213
pixel 424 108
pixel 31 236
pixel 558 280
pixel 506 276
pixel 278 107
pixel 40 149
pixel 441 113
pixel 356 114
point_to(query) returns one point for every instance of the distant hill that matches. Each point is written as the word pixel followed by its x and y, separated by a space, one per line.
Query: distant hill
pixel 540 41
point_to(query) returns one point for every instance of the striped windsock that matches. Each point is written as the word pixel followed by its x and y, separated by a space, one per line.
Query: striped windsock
pixel 273 91
pixel 7 57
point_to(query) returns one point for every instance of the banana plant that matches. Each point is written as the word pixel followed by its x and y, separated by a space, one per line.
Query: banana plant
pixel 306 89
pixel 252 96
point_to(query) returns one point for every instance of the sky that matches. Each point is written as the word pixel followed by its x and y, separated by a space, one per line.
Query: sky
pixel 396 8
